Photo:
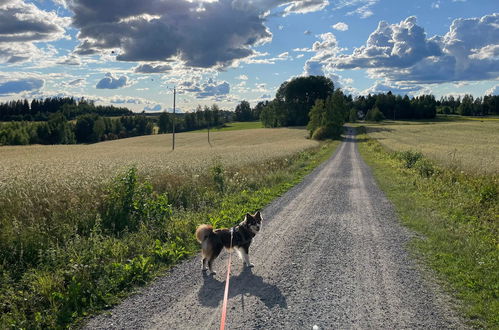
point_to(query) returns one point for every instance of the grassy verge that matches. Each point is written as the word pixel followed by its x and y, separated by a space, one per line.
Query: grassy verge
pixel 69 256
pixel 457 217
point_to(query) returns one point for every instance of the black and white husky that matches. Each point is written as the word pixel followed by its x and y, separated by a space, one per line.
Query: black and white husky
pixel 213 241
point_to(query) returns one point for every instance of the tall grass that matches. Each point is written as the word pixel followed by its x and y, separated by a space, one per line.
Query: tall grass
pixel 457 216
pixel 67 252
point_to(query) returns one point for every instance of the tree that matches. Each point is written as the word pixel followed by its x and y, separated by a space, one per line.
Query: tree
pixel 300 94
pixel 328 117
pixel 274 114
pixel 466 106
pixel 375 115
pixel 243 111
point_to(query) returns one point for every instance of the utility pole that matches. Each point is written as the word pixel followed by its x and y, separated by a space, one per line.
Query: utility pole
pixel 173 121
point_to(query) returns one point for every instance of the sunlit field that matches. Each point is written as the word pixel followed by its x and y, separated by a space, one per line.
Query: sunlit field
pixel 80 165
pixel 471 146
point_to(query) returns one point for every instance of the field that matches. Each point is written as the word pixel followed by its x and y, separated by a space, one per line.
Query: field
pixel 74 166
pixel 235 126
pixel 81 225
pixel 468 145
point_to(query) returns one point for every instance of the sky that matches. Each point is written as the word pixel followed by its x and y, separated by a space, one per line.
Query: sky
pixel 134 53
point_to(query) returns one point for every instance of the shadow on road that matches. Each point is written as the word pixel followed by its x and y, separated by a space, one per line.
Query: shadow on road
pixel 245 284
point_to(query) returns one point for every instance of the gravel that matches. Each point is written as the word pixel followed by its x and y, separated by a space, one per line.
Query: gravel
pixel 331 255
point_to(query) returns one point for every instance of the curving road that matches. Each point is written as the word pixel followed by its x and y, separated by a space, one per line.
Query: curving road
pixel 331 255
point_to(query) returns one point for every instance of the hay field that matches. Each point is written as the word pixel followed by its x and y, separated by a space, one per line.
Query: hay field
pixel 77 166
pixel 468 145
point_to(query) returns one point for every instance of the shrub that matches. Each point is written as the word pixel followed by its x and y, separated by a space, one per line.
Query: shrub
pixel 409 157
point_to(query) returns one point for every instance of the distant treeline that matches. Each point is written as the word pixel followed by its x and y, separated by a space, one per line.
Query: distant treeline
pixel 89 128
pixel 201 118
pixel 295 98
pixel 40 110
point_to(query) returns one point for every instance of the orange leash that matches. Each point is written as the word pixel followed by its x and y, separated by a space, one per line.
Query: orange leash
pixel 226 293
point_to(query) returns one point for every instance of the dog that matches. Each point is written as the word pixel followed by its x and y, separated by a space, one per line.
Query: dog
pixel 213 241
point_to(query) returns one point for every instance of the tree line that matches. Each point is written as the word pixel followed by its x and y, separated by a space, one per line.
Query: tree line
pixel 88 128
pixel 313 102
pixel 202 117
pixel 40 110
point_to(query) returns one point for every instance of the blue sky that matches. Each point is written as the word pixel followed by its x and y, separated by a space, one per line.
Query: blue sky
pixel 132 53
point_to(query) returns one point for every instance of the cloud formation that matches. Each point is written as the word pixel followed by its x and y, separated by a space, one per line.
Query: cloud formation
pixel 112 82
pixel 21 85
pixel 211 88
pixel 152 68
pixel 402 52
pixel 493 90
pixel 200 33
pixel 22 24
pixel 340 26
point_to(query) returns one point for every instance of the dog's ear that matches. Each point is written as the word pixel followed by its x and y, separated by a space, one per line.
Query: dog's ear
pixel 258 215
pixel 247 216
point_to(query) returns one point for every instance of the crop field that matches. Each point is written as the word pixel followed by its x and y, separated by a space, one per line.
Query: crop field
pixel 75 166
pixel 468 145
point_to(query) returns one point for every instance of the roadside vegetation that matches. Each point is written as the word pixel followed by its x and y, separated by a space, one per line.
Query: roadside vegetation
pixel 453 207
pixel 71 245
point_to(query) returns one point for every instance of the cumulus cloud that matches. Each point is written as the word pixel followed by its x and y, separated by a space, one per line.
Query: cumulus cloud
pixel 21 85
pixel 112 82
pixel 152 68
pixel 201 34
pixel 22 24
pixel 326 48
pixel 379 87
pixel 402 52
pixel 340 26
pixel 211 88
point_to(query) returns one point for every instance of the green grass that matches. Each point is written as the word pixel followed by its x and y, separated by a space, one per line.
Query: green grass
pixel 70 256
pixel 235 126
pixel 457 217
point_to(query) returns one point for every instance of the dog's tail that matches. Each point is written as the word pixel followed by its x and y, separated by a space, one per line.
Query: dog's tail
pixel 203 231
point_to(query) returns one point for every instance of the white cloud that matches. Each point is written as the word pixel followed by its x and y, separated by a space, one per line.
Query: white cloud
pixel 363 7
pixel 436 4
pixel 340 26
pixel 402 52
pixel 493 90
pixel 379 87
pixel 21 25
pixel 112 82
pixel 242 77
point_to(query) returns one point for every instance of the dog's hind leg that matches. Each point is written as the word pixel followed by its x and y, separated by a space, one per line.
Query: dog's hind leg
pixel 244 252
pixel 214 254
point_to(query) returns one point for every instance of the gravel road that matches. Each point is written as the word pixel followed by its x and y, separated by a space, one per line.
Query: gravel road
pixel 331 255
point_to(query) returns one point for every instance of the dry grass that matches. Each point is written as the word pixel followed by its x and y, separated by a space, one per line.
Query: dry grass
pixel 471 146
pixel 78 166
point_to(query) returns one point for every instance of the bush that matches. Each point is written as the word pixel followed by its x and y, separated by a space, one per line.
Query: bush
pixel 320 133
pixel 409 157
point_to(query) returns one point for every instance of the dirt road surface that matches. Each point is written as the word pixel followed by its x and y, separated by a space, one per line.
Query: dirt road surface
pixel 331 255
